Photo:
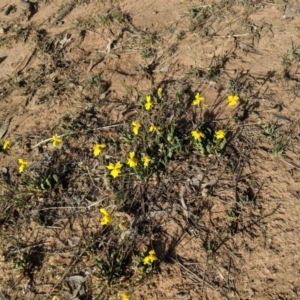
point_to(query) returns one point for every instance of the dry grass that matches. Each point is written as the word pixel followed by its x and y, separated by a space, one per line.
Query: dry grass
pixel 52 241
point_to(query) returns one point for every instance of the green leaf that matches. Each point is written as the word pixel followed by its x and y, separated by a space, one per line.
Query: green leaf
pixel 222 144
pixel 55 177
pixel 48 183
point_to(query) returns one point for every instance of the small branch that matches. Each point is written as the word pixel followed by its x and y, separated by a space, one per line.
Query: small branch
pixel 291 164
pixel 234 35
pixel 62 135
pixel 196 276
pixel 28 247
pixel 50 139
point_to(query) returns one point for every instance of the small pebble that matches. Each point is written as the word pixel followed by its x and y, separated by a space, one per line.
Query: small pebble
pixel 281 119
pixel 182 294
pixel 8 10
pixel 292 12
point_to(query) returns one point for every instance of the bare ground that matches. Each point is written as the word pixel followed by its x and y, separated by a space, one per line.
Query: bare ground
pixel 223 226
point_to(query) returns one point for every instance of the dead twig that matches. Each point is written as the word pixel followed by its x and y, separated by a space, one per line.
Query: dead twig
pixel 291 163
pixel 65 134
pixel 196 276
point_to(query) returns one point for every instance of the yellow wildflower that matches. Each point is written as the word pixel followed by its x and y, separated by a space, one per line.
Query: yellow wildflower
pixel 132 161
pixel 55 298
pixel 148 103
pixel 159 92
pixel 146 160
pixel 198 99
pixel 136 127
pixel 232 100
pixel 197 135
pixel 154 128
pixel 107 217
pixel 115 169
pixel 56 140
pixel 220 134
pixel 124 296
pixel 23 163
pixel 149 259
pixel 98 149
pixel 5 144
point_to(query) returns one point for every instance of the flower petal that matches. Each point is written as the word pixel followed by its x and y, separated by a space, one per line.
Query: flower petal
pixel 118 165
pixel 115 172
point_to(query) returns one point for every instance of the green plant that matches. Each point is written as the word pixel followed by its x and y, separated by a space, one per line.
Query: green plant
pixel 193 12
pixel 233 217
pixel 194 71
pixel 113 267
pixel 292 55
pixel 245 200
pixel 179 95
pixel 39 181
pixel 104 18
pixel 147 52
pixel 20 262
pixel 95 81
pixel 269 130
pixel 210 245
pixel 279 147
pixel 180 35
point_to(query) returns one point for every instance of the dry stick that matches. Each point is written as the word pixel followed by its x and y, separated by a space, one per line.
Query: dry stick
pixel 96 203
pixel 234 35
pixel 204 273
pixel 50 139
pixel 196 276
pixel 59 207
pixel 91 177
pixel 4 296
pixel 71 266
pixel 291 164
pixel 101 292
pixel 25 62
pixel 65 134
pixel 228 275
pixel 236 180
pixel 50 227
pixel 28 247
pixel 140 286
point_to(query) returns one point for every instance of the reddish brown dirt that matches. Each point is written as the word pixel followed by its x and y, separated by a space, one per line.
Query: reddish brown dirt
pixel 250 253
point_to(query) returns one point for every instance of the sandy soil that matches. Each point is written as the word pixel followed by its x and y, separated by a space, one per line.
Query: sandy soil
pixel 225 250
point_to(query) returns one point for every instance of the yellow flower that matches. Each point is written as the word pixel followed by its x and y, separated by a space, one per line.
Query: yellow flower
pixel 154 128
pixel 132 161
pixel 115 169
pixel 98 149
pixel 136 127
pixel 150 258
pixel 146 160
pixel 220 134
pixel 124 296
pixel 148 103
pixel 232 100
pixel 107 217
pixel 23 163
pixel 5 144
pixel 159 92
pixel 198 99
pixel 56 140
pixel 197 135
pixel 55 298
